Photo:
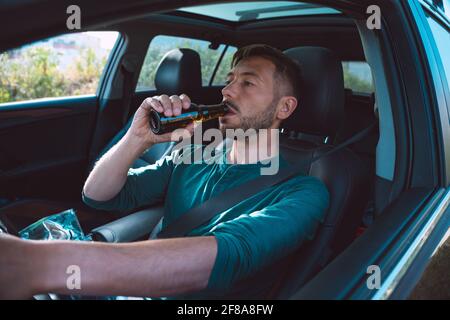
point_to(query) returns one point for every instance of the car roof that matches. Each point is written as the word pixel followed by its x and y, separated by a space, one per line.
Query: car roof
pixel 328 30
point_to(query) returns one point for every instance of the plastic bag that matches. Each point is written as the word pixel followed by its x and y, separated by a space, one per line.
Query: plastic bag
pixel 60 226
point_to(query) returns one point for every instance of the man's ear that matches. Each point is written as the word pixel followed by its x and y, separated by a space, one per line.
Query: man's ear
pixel 287 106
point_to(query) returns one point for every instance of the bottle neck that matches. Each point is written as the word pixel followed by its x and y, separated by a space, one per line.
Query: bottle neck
pixel 212 110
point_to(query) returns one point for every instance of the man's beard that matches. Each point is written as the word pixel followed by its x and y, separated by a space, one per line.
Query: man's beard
pixel 262 120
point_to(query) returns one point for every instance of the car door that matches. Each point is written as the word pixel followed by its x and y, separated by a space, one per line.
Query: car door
pixel 48 104
pixel 389 259
pixel 425 275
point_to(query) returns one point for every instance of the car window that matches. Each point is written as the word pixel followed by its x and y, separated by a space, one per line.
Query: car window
pixel 358 76
pixel 220 77
pixel 445 8
pixel 67 65
pixel 160 45
pixel 442 39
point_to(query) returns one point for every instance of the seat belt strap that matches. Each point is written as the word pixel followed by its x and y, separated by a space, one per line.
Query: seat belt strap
pixel 128 68
pixel 204 212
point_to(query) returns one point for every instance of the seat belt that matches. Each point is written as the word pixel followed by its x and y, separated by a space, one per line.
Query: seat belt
pixel 204 212
pixel 128 68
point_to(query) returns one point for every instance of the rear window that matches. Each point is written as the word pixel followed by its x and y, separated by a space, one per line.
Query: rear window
pixel 358 76
pixel 209 58
pixel 224 68
pixel 67 65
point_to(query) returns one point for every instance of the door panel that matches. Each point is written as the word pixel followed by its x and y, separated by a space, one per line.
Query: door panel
pixel 44 146
pixel 393 244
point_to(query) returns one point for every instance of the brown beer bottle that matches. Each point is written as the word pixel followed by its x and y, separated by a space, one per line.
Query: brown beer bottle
pixel 160 124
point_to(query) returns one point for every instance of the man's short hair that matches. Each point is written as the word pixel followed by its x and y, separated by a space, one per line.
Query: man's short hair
pixel 285 68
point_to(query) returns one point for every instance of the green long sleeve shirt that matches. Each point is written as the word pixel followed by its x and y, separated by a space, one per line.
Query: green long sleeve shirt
pixel 251 235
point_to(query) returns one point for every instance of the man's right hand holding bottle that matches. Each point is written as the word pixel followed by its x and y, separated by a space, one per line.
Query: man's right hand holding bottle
pixel 140 130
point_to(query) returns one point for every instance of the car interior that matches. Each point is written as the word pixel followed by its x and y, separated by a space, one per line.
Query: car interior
pixel 58 141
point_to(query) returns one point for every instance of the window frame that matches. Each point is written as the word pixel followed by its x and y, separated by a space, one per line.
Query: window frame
pixel 434 64
pixel 209 83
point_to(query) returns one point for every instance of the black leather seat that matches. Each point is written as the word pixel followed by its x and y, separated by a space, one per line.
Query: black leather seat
pixel 305 134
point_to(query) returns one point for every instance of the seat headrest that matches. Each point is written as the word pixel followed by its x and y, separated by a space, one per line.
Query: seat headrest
pixel 179 71
pixel 321 107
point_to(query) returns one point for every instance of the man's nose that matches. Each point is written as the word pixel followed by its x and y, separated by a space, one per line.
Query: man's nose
pixel 229 90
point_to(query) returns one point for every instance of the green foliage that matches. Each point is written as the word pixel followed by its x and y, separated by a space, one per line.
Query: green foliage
pixel 33 73
pixel 224 68
pixel 33 76
pixel 351 81
pixel 83 77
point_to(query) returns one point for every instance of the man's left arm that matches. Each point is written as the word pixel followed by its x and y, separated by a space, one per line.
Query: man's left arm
pixel 252 241
pixel 142 269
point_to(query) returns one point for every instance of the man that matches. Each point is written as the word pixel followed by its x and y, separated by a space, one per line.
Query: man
pixel 218 258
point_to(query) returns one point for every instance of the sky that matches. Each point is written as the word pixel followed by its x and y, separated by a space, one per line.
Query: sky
pixel 107 38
